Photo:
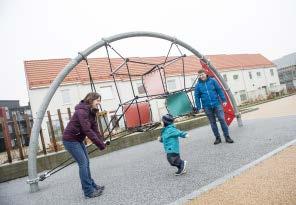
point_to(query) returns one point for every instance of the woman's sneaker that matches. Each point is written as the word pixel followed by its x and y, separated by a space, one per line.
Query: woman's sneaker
pixel 182 169
pixel 95 193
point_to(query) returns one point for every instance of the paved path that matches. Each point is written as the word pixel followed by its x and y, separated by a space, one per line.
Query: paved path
pixel 278 108
pixel 141 174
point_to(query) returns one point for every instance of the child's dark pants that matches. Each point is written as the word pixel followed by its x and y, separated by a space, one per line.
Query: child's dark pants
pixel 174 159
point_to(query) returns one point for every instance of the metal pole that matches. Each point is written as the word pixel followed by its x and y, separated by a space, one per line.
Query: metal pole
pixel 33 148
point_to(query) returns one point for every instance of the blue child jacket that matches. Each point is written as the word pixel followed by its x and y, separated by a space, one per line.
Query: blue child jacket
pixel 170 138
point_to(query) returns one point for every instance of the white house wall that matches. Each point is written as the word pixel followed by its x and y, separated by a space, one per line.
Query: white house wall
pixel 252 87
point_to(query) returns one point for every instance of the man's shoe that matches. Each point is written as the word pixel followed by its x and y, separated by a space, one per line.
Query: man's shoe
pixel 228 139
pixel 99 187
pixel 95 193
pixel 217 141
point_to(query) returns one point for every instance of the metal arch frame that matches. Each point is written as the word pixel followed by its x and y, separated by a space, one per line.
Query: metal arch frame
pixel 33 147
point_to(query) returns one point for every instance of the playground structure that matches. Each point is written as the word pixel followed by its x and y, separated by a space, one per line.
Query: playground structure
pixel 136 112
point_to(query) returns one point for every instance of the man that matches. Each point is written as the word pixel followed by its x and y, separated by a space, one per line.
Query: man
pixel 209 97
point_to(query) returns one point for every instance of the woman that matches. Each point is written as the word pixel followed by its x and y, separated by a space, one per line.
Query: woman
pixel 83 123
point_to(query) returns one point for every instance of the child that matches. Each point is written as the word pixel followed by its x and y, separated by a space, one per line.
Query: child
pixel 170 139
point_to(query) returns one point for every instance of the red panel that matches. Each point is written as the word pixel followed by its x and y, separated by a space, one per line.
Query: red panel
pixel 153 83
pixel 228 109
pixel 131 116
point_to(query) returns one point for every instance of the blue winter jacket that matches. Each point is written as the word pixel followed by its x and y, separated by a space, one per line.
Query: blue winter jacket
pixel 170 138
pixel 209 93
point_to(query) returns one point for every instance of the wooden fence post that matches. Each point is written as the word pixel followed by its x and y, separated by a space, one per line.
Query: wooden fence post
pixel 52 132
pixel 42 141
pixel 69 113
pixel 28 124
pixel 18 138
pixel 61 121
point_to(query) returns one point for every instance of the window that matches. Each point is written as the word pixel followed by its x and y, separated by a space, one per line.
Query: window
pixel 16 113
pixel 107 93
pixel 272 85
pixel 243 95
pixel 66 97
pixel 225 77
pixel 250 75
pixel 258 74
pixel 140 88
pixel 235 77
pixel 171 85
pixel 271 72
pixel 28 112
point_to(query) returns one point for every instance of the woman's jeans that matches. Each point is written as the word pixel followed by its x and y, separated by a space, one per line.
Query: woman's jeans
pixel 211 114
pixel 79 153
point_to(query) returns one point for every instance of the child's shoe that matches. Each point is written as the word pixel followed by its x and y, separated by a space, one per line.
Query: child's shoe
pixel 182 169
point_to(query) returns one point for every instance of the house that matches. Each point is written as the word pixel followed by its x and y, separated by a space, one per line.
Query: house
pixel 23 117
pixel 249 76
pixel 286 67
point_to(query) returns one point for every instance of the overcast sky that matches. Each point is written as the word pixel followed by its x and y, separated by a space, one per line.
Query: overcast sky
pixel 36 29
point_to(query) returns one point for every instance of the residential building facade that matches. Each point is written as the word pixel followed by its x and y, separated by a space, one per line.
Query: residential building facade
pixel 286 67
pixel 249 76
pixel 12 108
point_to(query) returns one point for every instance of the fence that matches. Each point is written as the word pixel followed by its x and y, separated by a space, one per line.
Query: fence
pixel 16 148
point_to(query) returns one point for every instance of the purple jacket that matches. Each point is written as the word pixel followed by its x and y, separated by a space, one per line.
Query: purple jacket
pixel 82 124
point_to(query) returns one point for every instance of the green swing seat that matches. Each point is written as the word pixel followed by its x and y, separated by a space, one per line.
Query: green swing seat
pixel 178 104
